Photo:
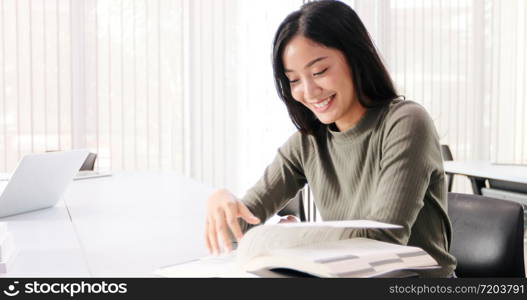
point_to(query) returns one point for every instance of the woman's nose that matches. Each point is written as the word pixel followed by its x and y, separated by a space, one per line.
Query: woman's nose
pixel 312 90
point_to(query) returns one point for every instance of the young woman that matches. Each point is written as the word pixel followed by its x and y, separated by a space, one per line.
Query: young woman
pixel 365 153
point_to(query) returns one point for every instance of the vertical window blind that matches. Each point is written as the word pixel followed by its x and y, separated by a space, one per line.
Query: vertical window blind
pixel 180 85
pixel 187 85
pixel 35 78
pixel 465 62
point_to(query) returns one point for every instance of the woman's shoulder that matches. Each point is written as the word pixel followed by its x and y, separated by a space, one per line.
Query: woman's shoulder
pixel 399 107
pixel 297 148
pixel 306 145
pixel 407 112
pixel 295 139
pixel 302 139
pixel 296 142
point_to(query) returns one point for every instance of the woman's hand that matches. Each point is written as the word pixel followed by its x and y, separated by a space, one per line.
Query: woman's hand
pixel 223 211
pixel 289 219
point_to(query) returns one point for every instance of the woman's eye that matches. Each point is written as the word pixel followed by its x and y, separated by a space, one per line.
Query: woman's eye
pixel 320 73
pixel 293 81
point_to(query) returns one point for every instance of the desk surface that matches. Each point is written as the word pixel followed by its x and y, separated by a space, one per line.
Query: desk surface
pixel 126 225
pixel 488 170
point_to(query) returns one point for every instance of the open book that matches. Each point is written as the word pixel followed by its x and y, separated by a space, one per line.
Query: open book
pixel 309 249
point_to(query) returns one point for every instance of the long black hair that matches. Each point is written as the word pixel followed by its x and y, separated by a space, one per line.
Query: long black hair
pixel 332 24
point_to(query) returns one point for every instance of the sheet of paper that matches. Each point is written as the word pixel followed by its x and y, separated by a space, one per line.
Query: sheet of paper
pixel 206 267
pixel 343 224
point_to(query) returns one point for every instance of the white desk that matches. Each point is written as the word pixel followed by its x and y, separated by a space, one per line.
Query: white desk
pixel 46 245
pixel 480 171
pixel 126 225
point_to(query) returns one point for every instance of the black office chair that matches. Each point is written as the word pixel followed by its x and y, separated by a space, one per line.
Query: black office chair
pixel 447 156
pixel 487 237
pixel 89 163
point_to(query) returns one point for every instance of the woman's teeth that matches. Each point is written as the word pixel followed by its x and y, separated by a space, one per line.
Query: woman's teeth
pixel 323 103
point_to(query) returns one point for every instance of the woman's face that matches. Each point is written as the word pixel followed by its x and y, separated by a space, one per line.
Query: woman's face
pixel 321 80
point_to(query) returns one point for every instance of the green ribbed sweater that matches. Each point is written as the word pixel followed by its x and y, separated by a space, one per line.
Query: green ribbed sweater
pixel 387 168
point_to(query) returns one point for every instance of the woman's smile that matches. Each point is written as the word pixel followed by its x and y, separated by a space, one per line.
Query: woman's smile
pixel 323 105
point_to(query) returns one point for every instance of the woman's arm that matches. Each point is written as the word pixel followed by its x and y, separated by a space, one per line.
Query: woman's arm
pixel 229 217
pixel 281 180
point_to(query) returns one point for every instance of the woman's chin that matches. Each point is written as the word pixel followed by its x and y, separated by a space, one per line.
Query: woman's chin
pixel 326 120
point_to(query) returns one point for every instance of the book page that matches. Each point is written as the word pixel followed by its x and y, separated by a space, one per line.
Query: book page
pixel 260 240
pixel 358 257
pixel 344 224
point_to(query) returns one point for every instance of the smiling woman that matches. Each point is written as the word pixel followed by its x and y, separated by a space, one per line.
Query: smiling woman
pixel 365 153
pixel 341 56
pixel 323 85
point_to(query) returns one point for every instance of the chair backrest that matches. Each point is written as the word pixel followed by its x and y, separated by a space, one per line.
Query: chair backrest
pixel 447 156
pixel 89 163
pixel 487 237
pixel 295 207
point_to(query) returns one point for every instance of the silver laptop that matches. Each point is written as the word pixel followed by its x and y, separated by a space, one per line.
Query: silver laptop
pixel 39 181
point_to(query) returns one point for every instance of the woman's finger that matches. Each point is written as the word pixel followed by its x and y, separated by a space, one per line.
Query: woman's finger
pixel 207 242
pixel 246 214
pixel 232 221
pixel 222 231
pixel 213 238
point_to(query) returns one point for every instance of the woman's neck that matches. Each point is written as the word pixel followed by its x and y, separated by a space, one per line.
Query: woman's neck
pixel 354 116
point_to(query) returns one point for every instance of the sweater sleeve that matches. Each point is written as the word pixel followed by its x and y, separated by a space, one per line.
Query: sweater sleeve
pixel 280 182
pixel 410 155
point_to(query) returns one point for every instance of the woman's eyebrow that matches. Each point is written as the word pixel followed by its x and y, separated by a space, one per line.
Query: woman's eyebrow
pixel 309 64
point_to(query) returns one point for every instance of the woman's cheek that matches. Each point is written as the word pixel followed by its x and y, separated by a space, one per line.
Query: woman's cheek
pixel 328 82
pixel 296 94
